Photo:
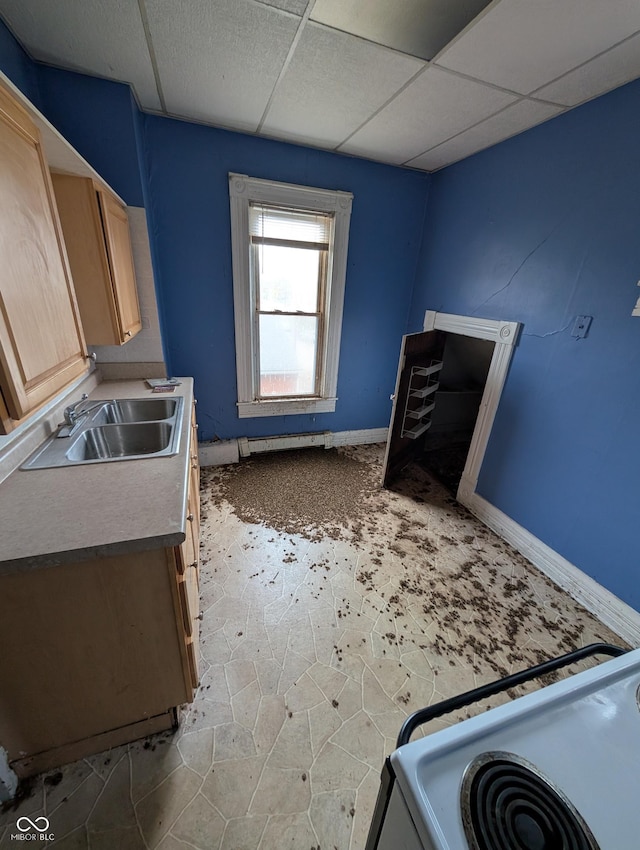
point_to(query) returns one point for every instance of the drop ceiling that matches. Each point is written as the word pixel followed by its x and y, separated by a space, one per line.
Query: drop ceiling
pixel 420 83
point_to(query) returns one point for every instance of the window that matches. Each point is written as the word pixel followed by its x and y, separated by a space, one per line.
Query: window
pixel 289 261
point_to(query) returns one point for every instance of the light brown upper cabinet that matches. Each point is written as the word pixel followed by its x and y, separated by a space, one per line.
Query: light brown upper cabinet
pixel 96 232
pixel 42 347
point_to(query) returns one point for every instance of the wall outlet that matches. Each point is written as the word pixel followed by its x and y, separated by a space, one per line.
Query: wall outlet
pixel 581 326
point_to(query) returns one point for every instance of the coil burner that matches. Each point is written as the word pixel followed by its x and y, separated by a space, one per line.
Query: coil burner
pixel 507 804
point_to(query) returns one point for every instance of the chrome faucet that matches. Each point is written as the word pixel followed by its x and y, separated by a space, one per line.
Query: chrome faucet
pixel 71 414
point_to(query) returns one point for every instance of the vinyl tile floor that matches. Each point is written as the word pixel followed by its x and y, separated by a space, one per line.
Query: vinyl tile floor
pixel 314 649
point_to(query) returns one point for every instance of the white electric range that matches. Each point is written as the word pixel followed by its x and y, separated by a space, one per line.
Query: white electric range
pixel 557 769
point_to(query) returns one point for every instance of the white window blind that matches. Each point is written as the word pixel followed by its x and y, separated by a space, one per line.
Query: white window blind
pixel 286 225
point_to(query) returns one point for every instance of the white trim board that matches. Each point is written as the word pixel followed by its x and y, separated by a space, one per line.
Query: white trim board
pixel 613 612
pixel 504 335
pixel 242 191
pixel 230 451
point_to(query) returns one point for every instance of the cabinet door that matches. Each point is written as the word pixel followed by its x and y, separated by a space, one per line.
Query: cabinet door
pixel 41 343
pixel 116 231
pixel 81 221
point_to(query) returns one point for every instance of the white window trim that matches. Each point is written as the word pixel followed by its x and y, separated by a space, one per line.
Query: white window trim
pixel 242 191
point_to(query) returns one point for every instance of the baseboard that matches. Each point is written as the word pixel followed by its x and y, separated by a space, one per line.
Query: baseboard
pixel 613 612
pixel 218 453
pixel 259 445
pixel 359 438
pixel 230 451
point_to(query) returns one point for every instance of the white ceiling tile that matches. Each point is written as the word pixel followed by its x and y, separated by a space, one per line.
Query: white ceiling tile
pixel 619 65
pixel 434 107
pixel 104 39
pixel 417 27
pixel 512 120
pixel 218 60
pixel 334 82
pixel 523 44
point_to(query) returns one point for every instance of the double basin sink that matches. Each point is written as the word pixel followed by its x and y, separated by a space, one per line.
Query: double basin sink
pixel 114 429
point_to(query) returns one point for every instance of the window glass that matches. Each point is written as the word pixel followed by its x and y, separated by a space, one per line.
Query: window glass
pixel 288 278
pixel 287 355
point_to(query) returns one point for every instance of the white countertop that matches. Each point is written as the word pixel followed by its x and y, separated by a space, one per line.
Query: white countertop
pixel 53 516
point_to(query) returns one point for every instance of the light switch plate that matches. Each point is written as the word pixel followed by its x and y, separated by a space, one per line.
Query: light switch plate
pixel 581 326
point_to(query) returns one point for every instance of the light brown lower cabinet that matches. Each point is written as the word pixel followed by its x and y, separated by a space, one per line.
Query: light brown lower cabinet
pixel 95 653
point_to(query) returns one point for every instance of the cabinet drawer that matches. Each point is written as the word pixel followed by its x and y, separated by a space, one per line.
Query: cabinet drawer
pixel 192 643
pixel 184 607
pixel 194 485
pixel 187 554
pixel 192 656
pixel 189 601
pixel 194 482
pixel 192 531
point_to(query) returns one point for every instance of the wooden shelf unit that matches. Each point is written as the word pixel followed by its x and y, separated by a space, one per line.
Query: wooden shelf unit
pixel 420 402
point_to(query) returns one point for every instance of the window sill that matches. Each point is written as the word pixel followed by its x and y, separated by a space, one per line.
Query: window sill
pixel 280 407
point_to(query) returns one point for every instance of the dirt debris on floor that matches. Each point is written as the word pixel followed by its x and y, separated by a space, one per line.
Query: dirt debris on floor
pixel 313 492
pixel 482 600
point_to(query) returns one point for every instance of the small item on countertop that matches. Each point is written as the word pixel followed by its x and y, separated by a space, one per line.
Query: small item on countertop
pixel 163 382
pixel 164 388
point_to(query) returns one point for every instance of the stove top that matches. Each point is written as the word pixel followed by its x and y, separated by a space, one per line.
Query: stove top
pixel 558 769
pixel 507 803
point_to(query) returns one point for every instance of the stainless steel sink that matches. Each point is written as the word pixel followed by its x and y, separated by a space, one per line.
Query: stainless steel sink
pixel 112 430
pixel 115 442
pixel 140 409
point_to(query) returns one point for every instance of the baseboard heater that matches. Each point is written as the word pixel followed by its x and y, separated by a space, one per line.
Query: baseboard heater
pixel 255 445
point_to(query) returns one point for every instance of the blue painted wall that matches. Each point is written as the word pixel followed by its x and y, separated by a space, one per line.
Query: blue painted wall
pixel 540 229
pixel 98 118
pixel 188 168
pixel 18 66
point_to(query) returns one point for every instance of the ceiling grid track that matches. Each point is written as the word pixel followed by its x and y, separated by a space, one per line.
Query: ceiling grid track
pixel 286 63
pixel 472 127
pixel 582 65
pixel 389 100
pixel 152 54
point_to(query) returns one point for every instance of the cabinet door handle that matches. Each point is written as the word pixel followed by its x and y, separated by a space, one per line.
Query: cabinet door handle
pixel 127 333
pixel 200 616
pixel 190 517
pixel 195 564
